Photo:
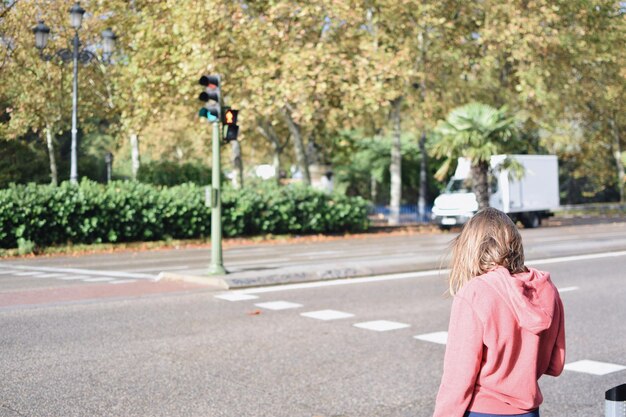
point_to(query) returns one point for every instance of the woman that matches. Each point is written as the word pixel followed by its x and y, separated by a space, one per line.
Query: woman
pixel 506 326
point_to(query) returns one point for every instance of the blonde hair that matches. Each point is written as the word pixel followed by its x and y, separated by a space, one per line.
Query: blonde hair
pixel 488 240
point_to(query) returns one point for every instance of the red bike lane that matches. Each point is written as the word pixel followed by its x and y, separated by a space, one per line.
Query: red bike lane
pixel 92 292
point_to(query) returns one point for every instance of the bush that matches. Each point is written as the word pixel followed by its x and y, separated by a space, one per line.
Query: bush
pixel 23 161
pixel 43 215
pixel 171 173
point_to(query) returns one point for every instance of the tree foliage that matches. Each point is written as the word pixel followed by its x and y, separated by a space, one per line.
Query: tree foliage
pixel 477 132
pixel 306 71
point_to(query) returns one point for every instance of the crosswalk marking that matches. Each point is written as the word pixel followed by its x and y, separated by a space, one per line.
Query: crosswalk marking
pixel 381 325
pixel 594 367
pixel 566 289
pixel 278 305
pixel 327 315
pixel 42 273
pixel 65 271
pixel 235 296
pixel 436 337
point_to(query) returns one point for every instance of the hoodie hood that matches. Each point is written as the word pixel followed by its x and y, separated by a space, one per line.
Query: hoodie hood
pixel 530 296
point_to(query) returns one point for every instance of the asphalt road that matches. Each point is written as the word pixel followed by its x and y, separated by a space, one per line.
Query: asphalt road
pixel 415 251
pixel 173 349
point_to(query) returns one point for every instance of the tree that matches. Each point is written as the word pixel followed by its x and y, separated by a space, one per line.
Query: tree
pixel 38 92
pixel 475 131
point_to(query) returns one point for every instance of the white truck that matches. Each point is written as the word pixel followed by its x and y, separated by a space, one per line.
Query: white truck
pixel 528 200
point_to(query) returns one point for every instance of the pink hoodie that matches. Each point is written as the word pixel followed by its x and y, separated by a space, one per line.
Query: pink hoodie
pixel 505 332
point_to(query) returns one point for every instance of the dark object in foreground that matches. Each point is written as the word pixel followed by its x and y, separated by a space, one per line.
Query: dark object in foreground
pixel 615 402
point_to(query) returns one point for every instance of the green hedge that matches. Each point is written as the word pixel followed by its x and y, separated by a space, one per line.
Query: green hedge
pixel 169 173
pixel 43 215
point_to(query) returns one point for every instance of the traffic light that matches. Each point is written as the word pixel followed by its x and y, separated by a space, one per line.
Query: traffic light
pixel 211 96
pixel 229 119
pixel 230 116
pixel 231 133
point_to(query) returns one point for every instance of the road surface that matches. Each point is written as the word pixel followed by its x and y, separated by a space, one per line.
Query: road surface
pixel 351 348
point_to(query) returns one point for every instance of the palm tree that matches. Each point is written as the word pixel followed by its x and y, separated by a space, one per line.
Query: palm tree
pixel 475 131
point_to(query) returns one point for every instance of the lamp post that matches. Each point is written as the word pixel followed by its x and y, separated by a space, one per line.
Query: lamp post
pixel 108 160
pixel 76 55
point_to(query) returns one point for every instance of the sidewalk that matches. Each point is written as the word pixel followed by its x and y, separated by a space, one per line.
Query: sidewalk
pixel 300 274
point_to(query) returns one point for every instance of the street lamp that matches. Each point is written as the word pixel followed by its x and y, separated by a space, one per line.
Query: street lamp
pixel 76 55
pixel 108 160
pixel 76 16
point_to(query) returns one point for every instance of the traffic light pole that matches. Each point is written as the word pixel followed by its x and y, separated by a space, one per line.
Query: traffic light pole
pixel 217 264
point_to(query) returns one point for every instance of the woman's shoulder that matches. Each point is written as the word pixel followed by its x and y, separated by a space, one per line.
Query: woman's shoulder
pixel 477 291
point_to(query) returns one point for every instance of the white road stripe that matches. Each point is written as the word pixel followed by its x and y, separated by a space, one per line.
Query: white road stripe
pixel 51 276
pixel 346 281
pixel 73 277
pixel 381 325
pixel 26 274
pixel 436 337
pixel 594 367
pixel 123 281
pixel 278 305
pixel 270 261
pixel 327 315
pixel 7 272
pixel 571 237
pixel 576 258
pixel 566 289
pixel 322 252
pixel 159 269
pixel 117 274
pixel 236 296
pixel 104 279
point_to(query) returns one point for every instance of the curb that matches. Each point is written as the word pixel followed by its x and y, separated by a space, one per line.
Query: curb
pixel 296 274
pixel 209 281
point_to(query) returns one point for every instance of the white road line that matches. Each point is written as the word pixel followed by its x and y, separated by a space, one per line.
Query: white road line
pixel 381 325
pixel 436 337
pixel 566 289
pixel 159 269
pixel 322 252
pixel 26 274
pixel 73 277
pixel 51 276
pixel 236 296
pixel 411 275
pixel 346 281
pixel 576 258
pixel 117 274
pixel 269 261
pixel 104 279
pixel 327 315
pixel 7 272
pixel 594 367
pixel 123 281
pixel 278 305
pixel 573 237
